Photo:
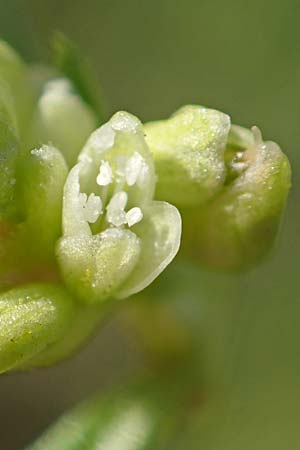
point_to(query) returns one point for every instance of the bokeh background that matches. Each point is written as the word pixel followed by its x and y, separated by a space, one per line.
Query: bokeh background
pixel 152 57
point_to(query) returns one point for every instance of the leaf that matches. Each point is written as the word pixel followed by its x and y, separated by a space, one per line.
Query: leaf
pixel 140 416
pixel 15 76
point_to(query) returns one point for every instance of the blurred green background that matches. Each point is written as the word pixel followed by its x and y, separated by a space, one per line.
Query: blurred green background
pixel 152 57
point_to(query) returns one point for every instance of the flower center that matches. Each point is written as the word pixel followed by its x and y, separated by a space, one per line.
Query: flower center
pixel 113 180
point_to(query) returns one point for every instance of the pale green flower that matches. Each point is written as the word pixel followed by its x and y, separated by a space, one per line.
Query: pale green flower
pixel 116 239
pixel 241 223
pixel 71 240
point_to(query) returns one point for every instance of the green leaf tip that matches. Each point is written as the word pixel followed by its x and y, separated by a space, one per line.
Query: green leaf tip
pixel 116 239
pixel 14 77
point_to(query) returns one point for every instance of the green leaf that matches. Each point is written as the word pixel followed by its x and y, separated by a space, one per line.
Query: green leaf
pixel 14 75
pixel 16 103
pixel 137 417
pixel 72 63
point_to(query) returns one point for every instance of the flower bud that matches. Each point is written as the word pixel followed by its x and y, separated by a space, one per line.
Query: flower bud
pixel 63 119
pixel 29 244
pixel 240 224
pixel 116 239
pixel 188 151
pixel 32 318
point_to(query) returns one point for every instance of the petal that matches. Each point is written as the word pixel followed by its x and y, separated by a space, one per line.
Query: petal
pixel 43 176
pixel 160 233
pixel 26 246
pixel 240 225
pixel 120 142
pixel 74 220
pixel 94 267
pixel 188 150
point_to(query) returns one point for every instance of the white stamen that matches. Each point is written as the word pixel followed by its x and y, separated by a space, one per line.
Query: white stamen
pixel 116 209
pixel 105 176
pixel 133 216
pixel 133 169
pixel 92 208
pixel 257 135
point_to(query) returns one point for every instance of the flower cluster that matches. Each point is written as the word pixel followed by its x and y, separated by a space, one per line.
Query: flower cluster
pixel 88 210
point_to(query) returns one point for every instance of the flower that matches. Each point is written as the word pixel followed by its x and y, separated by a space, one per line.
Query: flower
pixel 116 238
pixel 239 226
pixel 57 111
